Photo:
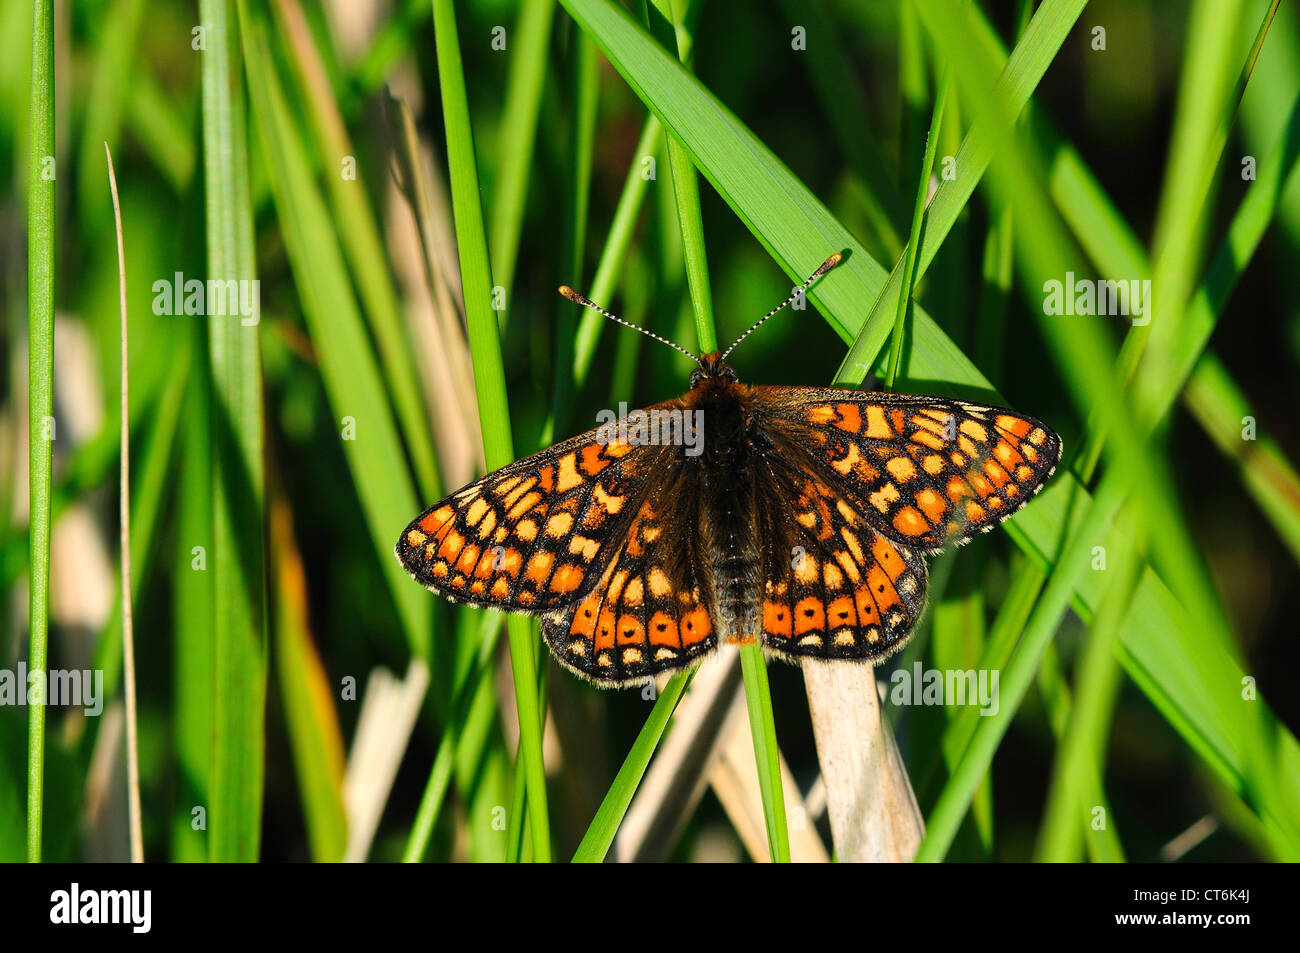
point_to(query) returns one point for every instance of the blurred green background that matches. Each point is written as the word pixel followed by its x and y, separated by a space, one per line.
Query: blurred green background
pixel 361 318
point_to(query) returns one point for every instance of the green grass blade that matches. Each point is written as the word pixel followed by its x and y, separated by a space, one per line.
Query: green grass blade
pixel 528 61
pixel 314 734
pixel 40 391
pixel 359 237
pixel 914 237
pixel 238 574
pixel 353 383
pixel 600 833
pixel 490 385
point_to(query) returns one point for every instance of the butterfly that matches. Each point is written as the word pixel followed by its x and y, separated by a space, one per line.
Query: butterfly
pixel 796 517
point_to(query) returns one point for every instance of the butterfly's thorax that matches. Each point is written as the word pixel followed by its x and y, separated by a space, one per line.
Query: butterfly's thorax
pixel 731 563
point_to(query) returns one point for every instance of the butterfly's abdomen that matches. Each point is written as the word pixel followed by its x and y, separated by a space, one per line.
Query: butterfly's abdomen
pixel 728 523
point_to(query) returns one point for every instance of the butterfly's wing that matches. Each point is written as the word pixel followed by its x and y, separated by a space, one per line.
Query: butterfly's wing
pixel 834 588
pixel 646 615
pixel 925 471
pixel 534 535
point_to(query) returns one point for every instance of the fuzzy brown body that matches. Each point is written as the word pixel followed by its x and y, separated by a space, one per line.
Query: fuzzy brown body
pixel 800 524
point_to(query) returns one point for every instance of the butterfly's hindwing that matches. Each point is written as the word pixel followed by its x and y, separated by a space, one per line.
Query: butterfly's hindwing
pixel 834 588
pixel 926 471
pixel 647 614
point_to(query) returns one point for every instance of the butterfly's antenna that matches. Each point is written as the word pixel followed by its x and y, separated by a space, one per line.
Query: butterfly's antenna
pixel 587 303
pixel 826 266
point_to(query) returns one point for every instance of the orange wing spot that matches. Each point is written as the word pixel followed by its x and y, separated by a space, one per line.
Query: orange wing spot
pixel 614 592
pixel 967 447
pixel 1015 425
pixel 877 426
pixel 415 538
pixel 841 612
pixel 809 616
pixel 995 473
pixel 957 488
pixel 849 566
pixel 882 588
pixel 437 520
pixel 451 546
pixel 897 419
pixel 932 505
pixel 884 497
pixel 539 567
pixel 477 587
pixel 866 606
pixel 440 570
pixel 458 581
pixel 584 617
pixel 567 578
pixel 1037 437
pixel 568 476
pixel 558 526
pixel 821 414
pixel 525 504
pixel 958 459
pixel 506 485
pixel 584 547
pixel 975 431
pixel 663 630
pixel 476 511
pixel 511 562
pixel 974 512
pixel 500 588
pixel 993 503
pixel 910 522
pixel 630 630
pixel 486 527
pixel 1011 490
pixel 634 592
pixel 851 541
pixel 618 450
pixel 523 487
pixel 605 629
pixel 928 439
pixel 546 478
pixel 901 469
pixel 1029 453
pixel 468 559
pixel 526 530
pixel 850 418
pixel 1007 455
pixel 605 501
pixel 696 627
pixel 886 557
pixel 982 486
pixel 845 464
pixel 1024 473
pixel 933 464
pixel 776 618
pixel 659 584
pixel 592 460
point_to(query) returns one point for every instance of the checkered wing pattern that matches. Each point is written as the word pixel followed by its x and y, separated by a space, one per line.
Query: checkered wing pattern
pixel 924 471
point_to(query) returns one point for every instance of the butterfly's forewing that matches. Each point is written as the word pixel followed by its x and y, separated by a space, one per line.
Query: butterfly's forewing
pixel 646 614
pixel 535 534
pixel 834 588
pixel 926 471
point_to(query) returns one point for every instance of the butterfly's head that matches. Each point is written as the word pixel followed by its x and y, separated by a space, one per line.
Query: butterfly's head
pixel 712 369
